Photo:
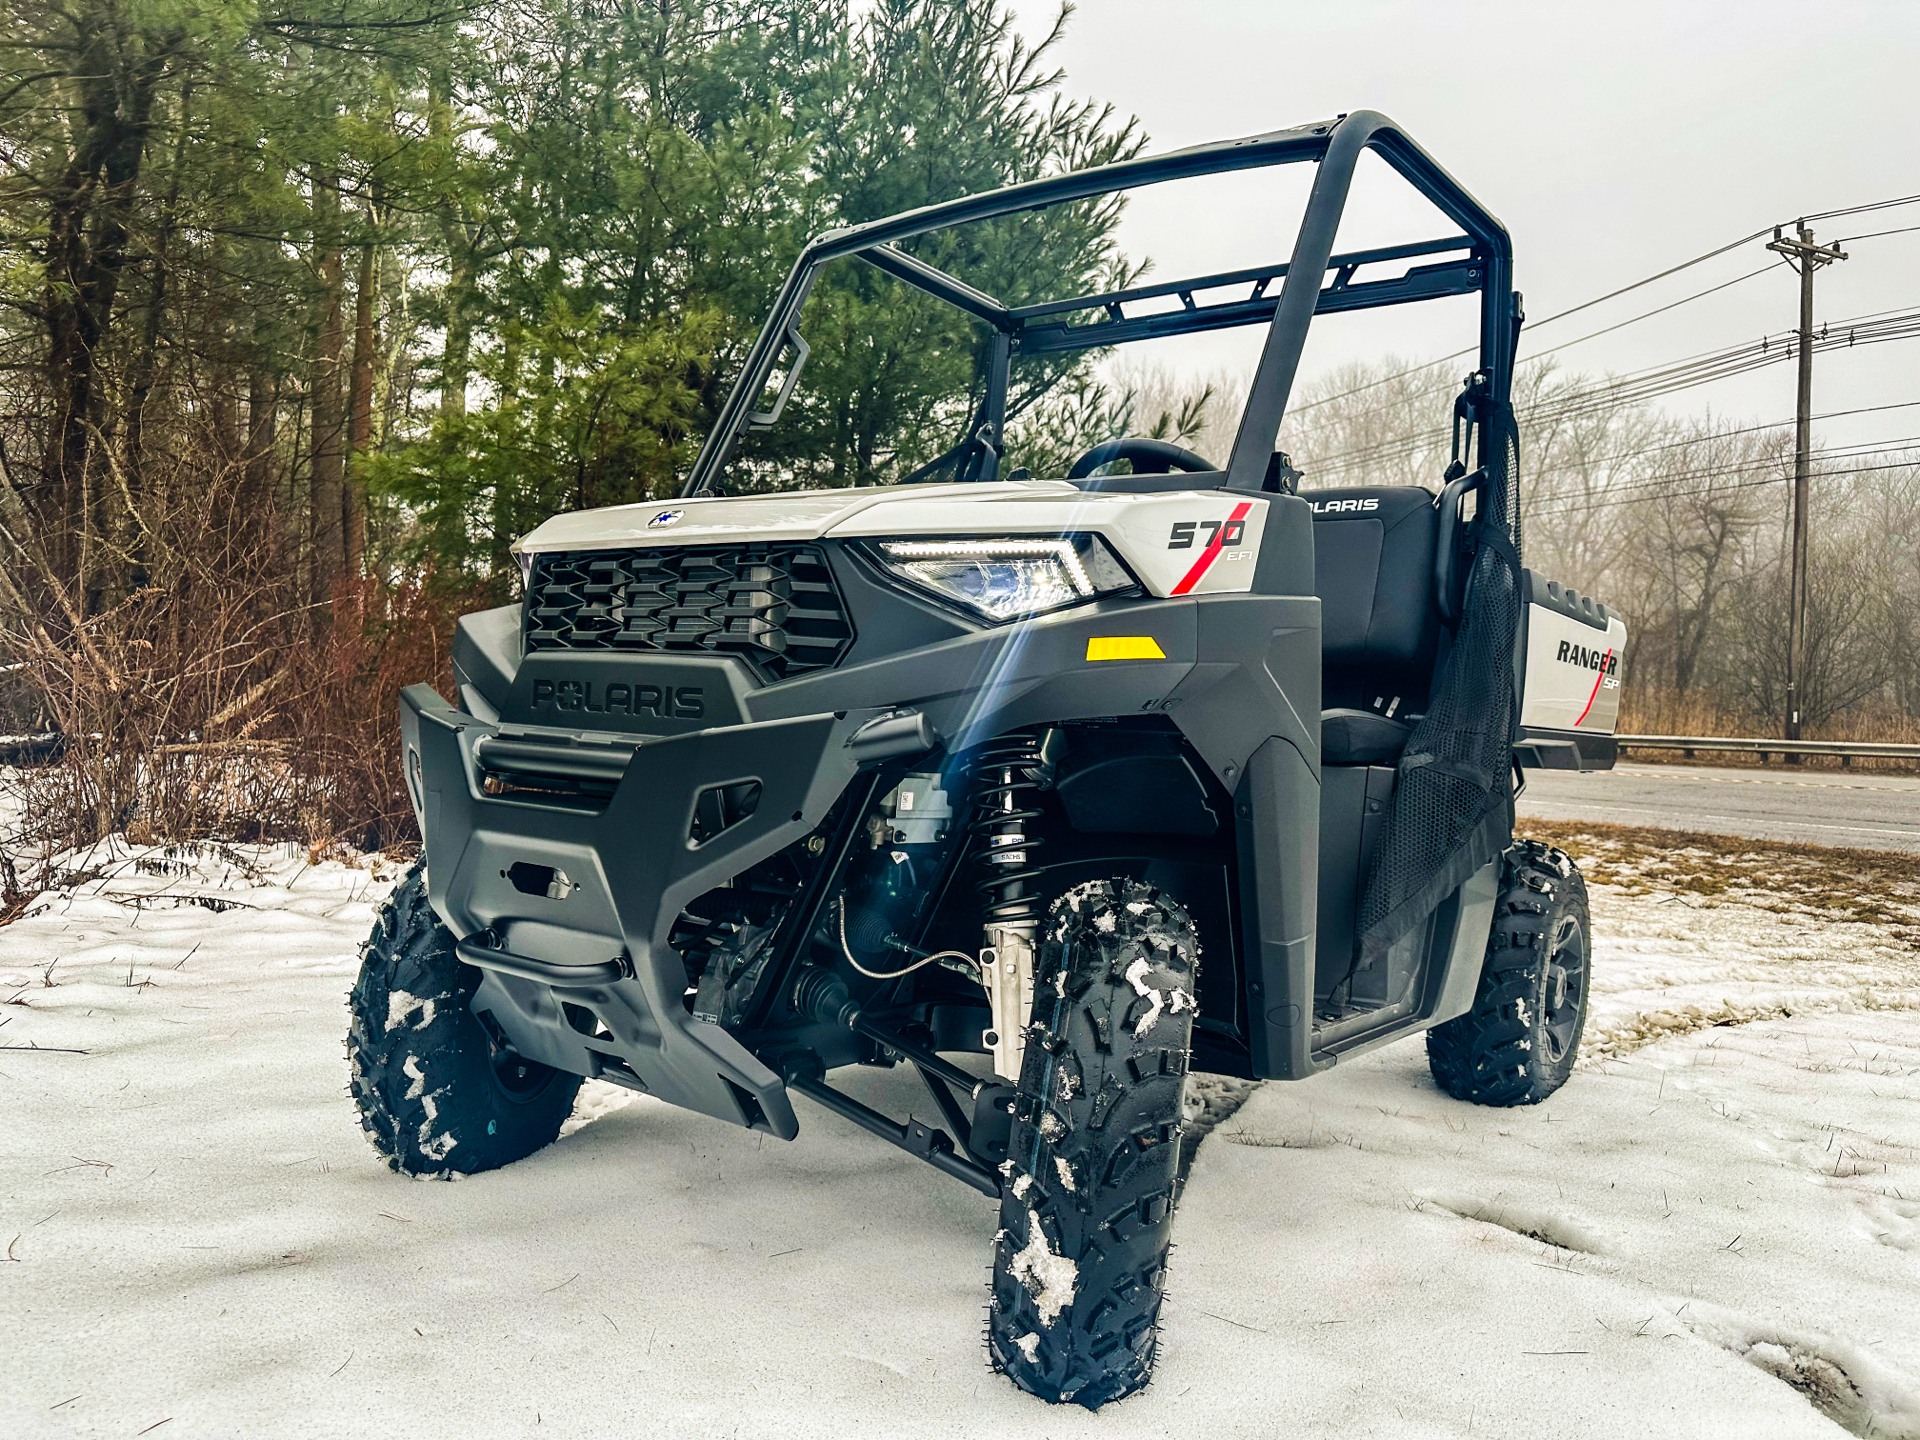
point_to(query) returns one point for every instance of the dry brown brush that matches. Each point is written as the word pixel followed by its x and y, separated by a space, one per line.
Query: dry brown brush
pixel 200 693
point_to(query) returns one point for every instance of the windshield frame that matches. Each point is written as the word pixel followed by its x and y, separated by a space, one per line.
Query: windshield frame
pixel 1484 267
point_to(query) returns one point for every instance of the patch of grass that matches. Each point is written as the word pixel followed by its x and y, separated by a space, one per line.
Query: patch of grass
pixel 1867 887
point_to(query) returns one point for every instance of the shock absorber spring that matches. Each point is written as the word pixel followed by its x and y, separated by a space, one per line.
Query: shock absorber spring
pixel 1006 777
pixel 1005 780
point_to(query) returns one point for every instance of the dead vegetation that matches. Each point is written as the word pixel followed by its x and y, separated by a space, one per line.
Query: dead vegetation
pixel 1868 887
pixel 204 695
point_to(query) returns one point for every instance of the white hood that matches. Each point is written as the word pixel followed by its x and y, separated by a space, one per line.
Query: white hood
pixel 785 515
pixel 1181 542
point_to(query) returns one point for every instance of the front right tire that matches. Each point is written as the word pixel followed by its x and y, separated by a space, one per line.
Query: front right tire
pixel 438 1093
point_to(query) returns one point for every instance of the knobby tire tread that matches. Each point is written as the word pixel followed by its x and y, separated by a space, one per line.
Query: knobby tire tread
pixel 1095 1146
pixel 1492 1054
pixel 420 1062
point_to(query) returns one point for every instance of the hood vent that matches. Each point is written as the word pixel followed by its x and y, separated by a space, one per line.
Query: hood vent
pixel 776 606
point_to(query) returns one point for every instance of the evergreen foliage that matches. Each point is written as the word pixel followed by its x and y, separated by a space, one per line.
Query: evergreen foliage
pixel 428 270
pixel 308 308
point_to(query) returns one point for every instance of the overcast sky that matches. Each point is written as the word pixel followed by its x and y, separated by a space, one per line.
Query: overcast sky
pixel 1613 139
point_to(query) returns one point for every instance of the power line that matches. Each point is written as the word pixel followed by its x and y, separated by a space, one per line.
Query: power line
pixel 1385 380
pixel 1769 349
pixel 1615 294
pixel 1875 235
pixel 1711 436
pixel 1904 445
pixel 1863 447
pixel 1596 334
pixel 1863 410
pixel 1672 270
pixel 1447 385
pixel 1716 489
pixel 1545 512
pixel 1535 514
pixel 1862 209
pixel 1767 339
pixel 1639 387
pixel 1536 324
pixel 1734 361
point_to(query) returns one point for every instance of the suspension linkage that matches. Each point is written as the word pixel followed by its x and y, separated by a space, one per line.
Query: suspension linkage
pixel 933 1146
pixel 824 997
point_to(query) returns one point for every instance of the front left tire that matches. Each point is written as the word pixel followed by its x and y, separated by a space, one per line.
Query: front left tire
pixel 1087 1211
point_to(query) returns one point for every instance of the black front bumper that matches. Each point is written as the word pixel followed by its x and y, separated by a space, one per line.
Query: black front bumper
pixel 1239 674
pixel 628 872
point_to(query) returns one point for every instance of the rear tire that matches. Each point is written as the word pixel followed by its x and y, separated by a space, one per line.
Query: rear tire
pixel 1088 1209
pixel 437 1096
pixel 1518 1043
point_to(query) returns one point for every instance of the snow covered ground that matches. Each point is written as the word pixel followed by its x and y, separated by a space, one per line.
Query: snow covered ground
pixel 1714 1230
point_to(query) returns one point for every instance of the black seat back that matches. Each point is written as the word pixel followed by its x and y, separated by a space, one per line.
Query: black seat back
pixel 1373 569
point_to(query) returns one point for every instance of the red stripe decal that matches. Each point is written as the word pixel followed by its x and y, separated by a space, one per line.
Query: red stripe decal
pixel 1207 556
pixel 1596 687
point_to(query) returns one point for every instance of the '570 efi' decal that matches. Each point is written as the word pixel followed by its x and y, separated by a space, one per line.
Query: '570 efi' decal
pixel 1229 532
pixel 1220 534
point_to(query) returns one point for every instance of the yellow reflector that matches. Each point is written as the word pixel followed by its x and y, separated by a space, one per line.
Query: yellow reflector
pixel 1124 647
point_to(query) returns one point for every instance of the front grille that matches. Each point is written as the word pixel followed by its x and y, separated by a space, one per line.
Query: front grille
pixel 774 605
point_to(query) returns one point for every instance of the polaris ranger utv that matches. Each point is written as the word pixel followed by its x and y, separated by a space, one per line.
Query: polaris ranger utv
pixel 1107 777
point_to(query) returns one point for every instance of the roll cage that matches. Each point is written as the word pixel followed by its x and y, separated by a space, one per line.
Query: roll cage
pixel 1479 261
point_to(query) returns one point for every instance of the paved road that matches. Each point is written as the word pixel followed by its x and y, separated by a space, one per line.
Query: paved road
pixel 1874 812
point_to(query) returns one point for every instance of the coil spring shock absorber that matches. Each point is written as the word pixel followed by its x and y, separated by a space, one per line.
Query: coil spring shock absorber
pixel 1006 774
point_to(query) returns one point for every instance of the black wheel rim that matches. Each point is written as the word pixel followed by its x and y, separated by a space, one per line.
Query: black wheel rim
pixel 1563 998
pixel 517 1078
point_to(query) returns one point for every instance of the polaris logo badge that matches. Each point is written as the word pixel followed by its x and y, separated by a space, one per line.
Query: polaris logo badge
pixel 665 518
pixel 683 702
pixel 1602 660
pixel 1334 507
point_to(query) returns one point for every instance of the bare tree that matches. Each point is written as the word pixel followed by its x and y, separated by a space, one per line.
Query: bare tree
pixel 1383 422
pixel 1845 657
pixel 1887 505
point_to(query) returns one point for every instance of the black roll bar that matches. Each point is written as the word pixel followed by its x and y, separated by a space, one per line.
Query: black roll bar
pixel 1335 145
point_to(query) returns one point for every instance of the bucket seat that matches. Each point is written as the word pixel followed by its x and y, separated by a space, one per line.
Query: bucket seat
pixel 1376 550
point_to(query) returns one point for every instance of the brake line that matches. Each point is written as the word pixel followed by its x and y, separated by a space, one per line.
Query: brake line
pixel 925 960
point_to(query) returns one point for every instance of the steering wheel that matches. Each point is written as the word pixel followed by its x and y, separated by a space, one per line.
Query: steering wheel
pixel 1149 457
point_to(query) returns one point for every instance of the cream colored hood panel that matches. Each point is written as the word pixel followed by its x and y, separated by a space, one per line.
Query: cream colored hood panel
pixel 1184 542
pixel 718 519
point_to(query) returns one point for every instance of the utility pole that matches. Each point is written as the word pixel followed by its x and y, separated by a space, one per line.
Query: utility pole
pixel 1806 257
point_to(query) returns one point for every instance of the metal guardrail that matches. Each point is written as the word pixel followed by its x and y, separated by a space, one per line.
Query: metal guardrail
pixel 1847 750
pixel 31 749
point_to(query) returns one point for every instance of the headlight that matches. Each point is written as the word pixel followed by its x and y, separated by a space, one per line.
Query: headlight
pixel 524 560
pixel 1003 580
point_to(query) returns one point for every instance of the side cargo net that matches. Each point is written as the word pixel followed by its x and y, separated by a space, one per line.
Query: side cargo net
pixel 1453 798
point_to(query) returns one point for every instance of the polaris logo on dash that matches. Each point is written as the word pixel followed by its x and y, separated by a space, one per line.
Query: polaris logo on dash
pixel 665 518
pixel 1603 660
pixel 1334 507
pixel 684 702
